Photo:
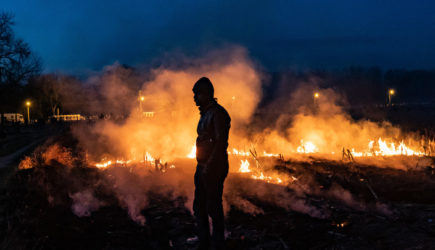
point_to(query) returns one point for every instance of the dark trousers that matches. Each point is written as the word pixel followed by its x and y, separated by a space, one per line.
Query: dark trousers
pixel 208 202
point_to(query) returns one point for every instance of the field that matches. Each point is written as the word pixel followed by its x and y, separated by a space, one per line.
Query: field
pixel 63 202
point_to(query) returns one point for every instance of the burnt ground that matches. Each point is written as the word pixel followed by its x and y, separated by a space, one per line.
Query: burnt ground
pixel 388 209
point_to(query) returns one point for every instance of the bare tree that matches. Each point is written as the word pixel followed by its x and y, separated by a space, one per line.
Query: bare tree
pixel 51 87
pixel 57 91
pixel 17 65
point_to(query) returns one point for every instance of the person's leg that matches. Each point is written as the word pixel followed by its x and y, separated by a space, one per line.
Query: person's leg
pixel 216 212
pixel 200 212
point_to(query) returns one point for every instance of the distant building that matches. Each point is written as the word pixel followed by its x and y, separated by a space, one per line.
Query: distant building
pixel 148 114
pixel 69 118
pixel 14 117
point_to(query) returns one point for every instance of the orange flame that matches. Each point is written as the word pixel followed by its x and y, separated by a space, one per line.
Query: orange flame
pixel 192 153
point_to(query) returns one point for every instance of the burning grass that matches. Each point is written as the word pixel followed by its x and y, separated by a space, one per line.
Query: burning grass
pixel 311 178
pixel 270 202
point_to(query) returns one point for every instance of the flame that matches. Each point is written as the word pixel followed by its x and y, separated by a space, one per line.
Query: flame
pixel 104 164
pixel 374 148
pixel 149 158
pixel 387 149
pixel 239 153
pixel 121 162
pixel 270 154
pixel 192 153
pixel 244 166
pixel 259 175
pixel 402 149
pixel 307 147
pixel 267 178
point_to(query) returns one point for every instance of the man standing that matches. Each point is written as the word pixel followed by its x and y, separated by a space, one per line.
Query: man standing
pixel 212 169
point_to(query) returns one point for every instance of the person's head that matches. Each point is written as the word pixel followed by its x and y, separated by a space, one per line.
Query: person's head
pixel 203 91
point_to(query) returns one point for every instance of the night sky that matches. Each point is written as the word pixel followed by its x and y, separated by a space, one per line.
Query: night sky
pixel 81 36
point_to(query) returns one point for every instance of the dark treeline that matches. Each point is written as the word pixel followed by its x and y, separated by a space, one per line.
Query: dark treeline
pixel 115 89
pixel 360 86
pixel 363 94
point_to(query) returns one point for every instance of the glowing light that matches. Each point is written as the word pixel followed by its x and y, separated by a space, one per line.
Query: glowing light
pixel 258 175
pixel 379 147
pixel 244 166
pixel 402 149
pixel 267 178
pixel 357 154
pixel 316 95
pixel 239 153
pixel 307 148
pixel 192 153
pixel 125 163
pixel 391 91
pixel 104 164
pixel 387 149
pixel 269 154
pixel 148 157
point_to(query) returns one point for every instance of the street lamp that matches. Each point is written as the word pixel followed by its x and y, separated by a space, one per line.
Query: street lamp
pixel 28 111
pixel 316 96
pixel 142 98
pixel 391 92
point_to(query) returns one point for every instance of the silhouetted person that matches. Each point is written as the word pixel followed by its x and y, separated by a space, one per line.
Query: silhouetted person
pixel 212 169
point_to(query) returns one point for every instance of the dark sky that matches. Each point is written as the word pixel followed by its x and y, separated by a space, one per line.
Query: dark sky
pixel 78 36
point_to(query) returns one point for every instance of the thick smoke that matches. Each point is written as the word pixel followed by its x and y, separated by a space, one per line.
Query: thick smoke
pixel 324 123
pixel 152 114
pixel 168 97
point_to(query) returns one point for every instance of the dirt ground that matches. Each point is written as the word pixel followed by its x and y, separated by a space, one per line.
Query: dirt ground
pixel 330 205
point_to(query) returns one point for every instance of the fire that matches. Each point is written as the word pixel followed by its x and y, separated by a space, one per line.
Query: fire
pixel 267 178
pixel 244 166
pixel 374 148
pixel 104 164
pixel 192 153
pixel 387 149
pixel 239 153
pixel 270 154
pixel 259 175
pixel 402 149
pixel 148 159
pixel 307 147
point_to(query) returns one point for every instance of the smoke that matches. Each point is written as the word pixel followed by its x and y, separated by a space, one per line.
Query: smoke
pixel 153 115
pixel 136 187
pixel 321 125
pixel 84 203
pixel 339 193
pixel 167 97
pixel 239 191
pixel 114 90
